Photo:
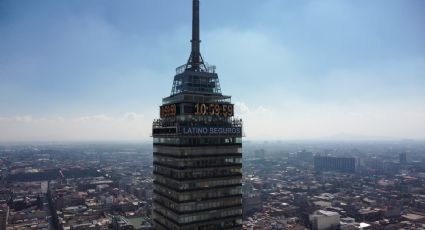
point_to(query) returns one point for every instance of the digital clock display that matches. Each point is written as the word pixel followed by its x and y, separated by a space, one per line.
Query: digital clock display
pixel 168 110
pixel 225 110
pixel 199 109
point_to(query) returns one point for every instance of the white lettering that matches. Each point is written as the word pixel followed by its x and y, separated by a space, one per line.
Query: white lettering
pixel 211 130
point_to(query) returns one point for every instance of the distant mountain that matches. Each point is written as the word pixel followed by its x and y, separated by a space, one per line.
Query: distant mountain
pixel 358 137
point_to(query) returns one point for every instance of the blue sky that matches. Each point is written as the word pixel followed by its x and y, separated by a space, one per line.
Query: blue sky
pixel 97 70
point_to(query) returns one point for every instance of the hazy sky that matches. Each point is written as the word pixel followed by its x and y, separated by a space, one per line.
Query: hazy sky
pixel 97 70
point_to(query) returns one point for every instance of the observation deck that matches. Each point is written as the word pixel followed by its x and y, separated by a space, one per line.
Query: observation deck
pixel 206 68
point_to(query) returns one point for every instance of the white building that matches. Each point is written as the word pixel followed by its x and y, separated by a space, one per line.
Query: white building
pixel 323 220
pixel 351 224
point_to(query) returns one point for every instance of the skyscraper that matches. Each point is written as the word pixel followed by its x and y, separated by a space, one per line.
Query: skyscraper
pixel 197 149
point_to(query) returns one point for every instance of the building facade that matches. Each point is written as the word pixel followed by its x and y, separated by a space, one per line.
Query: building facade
pixel 338 164
pixel 4 215
pixel 325 220
pixel 197 150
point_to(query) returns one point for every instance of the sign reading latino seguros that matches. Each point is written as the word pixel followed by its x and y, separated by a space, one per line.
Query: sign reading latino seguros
pixel 207 131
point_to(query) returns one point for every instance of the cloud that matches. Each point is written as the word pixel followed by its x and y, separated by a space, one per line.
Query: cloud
pixel 25 118
pixel 394 80
pixel 127 126
pixel 131 116
pixel 59 118
pixel 295 119
pixel 241 108
pixel 99 117
pixel 262 109
pixel 250 54
pixel 290 120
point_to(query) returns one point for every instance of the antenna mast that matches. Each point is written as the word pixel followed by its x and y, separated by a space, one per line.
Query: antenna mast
pixel 195 62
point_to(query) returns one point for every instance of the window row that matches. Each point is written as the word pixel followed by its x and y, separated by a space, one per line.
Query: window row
pixel 196 151
pixel 228 223
pixel 207 216
pixel 197 184
pixel 198 206
pixel 201 173
pixel 199 216
pixel 206 194
pixel 199 162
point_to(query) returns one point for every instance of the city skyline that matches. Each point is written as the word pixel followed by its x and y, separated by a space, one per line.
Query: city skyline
pixel 318 68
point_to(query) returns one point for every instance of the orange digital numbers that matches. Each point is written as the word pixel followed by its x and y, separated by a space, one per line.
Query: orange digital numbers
pixel 168 110
pixel 225 110
pixel 200 109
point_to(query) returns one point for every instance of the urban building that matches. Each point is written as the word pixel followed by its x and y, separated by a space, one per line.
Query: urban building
pixel 4 214
pixel 339 164
pixel 252 203
pixel 197 150
pixel 305 156
pixel 324 220
pixel 403 158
